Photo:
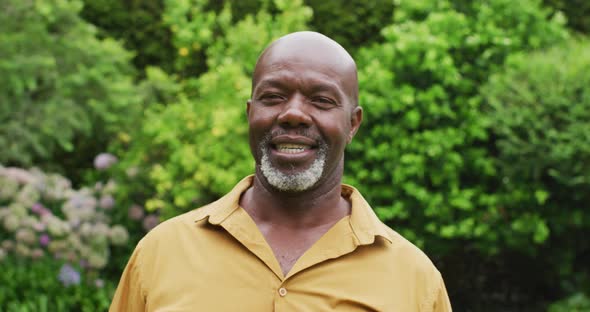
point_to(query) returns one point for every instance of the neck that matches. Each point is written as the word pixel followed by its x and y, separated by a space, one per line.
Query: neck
pixel 298 210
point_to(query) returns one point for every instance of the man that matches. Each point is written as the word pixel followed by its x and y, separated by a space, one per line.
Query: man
pixel 291 237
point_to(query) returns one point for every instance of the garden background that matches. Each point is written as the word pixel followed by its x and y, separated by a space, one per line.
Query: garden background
pixel 118 114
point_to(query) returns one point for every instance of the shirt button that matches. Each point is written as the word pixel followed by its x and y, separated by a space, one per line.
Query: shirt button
pixel 282 291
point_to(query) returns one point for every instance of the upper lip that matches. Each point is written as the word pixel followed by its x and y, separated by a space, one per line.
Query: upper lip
pixel 293 139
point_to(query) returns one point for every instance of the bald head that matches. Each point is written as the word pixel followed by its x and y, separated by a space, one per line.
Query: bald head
pixel 310 48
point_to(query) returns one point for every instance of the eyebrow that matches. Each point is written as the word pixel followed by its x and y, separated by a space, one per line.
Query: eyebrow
pixel 320 87
pixel 269 83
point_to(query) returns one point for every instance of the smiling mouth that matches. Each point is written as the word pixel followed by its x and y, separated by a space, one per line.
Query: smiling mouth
pixel 290 148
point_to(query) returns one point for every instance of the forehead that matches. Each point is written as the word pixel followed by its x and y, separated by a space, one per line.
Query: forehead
pixel 302 66
pixel 290 72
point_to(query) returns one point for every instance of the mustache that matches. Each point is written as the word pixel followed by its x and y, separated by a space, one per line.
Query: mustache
pixel 265 141
pixel 304 132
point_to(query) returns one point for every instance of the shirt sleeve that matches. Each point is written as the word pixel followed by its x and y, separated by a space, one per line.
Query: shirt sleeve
pixel 129 296
pixel 441 301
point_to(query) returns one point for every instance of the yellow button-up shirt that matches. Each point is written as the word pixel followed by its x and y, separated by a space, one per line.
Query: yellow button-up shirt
pixel 215 259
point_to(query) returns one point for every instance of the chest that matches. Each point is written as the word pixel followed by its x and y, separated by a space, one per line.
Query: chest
pixel 288 246
pixel 240 282
pixel 215 270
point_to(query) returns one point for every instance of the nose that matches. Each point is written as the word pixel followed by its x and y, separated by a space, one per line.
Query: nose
pixel 294 113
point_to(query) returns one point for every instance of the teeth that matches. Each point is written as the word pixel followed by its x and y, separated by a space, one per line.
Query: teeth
pixel 291 148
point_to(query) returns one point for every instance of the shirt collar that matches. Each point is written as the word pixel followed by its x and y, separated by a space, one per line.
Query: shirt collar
pixel 363 221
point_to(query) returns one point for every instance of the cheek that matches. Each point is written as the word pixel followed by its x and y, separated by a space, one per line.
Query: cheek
pixel 260 122
pixel 260 117
pixel 336 128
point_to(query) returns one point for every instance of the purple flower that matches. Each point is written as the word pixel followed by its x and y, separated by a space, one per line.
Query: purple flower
pixel 99 283
pixel 104 160
pixel 45 212
pixel 37 208
pixel 135 212
pixel 150 222
pixel 68 275
pixel 106 202
pixel 44 240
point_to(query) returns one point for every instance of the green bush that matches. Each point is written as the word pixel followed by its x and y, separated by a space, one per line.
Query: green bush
pixel 577 12
pixel 138 24
pixel 539 113
pixel 575 303
pixel 424 157
pixel 34 286
pixel 421 157
pixel 353 23
pixel 142 26
pixel 194 149
pixel 63 93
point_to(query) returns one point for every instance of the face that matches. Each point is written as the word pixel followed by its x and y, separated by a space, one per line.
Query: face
pixel 301 117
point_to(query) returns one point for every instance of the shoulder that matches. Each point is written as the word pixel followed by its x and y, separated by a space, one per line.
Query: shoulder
pixel 190 228
pixel 171 244
pixel 176 229
pixel 407 254
pixel 414 267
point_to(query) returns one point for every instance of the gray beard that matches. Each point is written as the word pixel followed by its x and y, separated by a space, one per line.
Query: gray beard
pixel 296 182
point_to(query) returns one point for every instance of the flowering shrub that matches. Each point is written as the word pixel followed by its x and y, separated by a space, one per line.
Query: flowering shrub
pixel 68 275
pixel 66 91
pixel 104 160
pixel 41 214
pixel 39 285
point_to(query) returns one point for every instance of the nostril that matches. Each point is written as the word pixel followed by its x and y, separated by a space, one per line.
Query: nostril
pixel 294 124
pixel 294 117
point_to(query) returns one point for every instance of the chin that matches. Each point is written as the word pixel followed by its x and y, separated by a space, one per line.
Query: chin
pixel 292 181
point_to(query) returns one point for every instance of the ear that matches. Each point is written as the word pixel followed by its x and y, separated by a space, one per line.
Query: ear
pixel 356 118
pixel 248 108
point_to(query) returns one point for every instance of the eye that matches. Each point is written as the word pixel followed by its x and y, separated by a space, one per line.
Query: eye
pixel 323 102
pixel 271 98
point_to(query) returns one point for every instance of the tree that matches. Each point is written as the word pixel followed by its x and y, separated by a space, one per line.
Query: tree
pixel 63 92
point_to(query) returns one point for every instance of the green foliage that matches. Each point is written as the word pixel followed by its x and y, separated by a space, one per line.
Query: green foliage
pixel 143 26
pixel 194 149
pixel 577 12
pixel 353 23
pixel 540 110
pixel 193 28
pixel 33 285
pixel 578 302
pixel 539 113
pixel 138 24
pixel 421 156
pixel 492 181
pixel 62 91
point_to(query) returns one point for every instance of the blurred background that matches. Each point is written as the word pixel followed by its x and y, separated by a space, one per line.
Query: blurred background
pixel 118 114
